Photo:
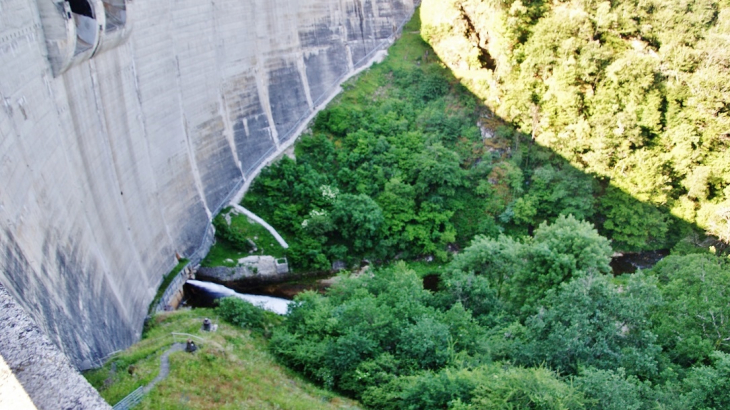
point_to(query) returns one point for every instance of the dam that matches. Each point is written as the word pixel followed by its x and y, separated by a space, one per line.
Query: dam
pixel 125 125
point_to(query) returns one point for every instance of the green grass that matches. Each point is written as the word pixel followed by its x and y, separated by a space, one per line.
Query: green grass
pixel 405 53
pixel 223 253
pixel 231 370
pixel 264 240
pixel 410 47
pixel 166 282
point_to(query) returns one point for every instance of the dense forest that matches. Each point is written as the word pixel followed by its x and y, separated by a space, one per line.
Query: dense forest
pixel 512 160
pixel 632 92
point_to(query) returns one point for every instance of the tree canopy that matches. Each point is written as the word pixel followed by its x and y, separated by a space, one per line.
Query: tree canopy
pixel 633 92
pixel 607 127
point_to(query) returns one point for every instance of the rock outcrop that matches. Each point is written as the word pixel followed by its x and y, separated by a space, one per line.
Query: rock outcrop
pixel 124 125
pixel 251 269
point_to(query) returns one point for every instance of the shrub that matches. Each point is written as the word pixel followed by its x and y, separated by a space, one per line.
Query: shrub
pixel 241 313
pixel 224 231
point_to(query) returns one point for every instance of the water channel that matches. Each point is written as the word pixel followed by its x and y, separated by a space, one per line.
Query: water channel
pixel 276 297
pixel 203 294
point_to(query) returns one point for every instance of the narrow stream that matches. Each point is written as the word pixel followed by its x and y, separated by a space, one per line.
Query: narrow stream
pixel 630 262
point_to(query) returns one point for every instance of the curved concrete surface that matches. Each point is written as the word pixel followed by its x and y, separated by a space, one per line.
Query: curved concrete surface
pixel 114 165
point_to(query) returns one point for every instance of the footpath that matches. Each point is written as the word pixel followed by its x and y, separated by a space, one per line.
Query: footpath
pixel 136 396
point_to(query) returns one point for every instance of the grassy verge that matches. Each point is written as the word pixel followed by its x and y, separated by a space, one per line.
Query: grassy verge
pixel 224 253
pixel 408 50
pixel 232 370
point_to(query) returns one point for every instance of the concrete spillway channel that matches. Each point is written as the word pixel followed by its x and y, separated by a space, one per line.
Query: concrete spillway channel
pixel 263 223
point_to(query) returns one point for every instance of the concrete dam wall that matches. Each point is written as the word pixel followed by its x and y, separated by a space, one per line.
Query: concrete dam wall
pixel 126 124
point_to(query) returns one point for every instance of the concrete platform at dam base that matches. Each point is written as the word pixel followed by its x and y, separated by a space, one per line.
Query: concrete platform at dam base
pixel 126 125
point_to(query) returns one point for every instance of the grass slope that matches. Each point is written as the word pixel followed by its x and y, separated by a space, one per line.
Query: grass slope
pixel 231 370
pixel 224 253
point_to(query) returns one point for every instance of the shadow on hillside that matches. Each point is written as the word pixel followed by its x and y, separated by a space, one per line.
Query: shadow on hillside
pixel 551 186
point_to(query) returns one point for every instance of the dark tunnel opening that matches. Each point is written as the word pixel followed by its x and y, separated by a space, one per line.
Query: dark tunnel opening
pixel 86 26
pixel 81 7
pixel 116 14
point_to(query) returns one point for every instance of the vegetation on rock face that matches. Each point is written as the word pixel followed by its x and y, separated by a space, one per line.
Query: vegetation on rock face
pixel 166 282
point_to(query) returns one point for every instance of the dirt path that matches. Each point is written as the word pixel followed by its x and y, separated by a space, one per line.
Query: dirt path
pixel 164 366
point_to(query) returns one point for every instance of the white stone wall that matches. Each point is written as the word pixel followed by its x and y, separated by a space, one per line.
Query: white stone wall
pixel 109 169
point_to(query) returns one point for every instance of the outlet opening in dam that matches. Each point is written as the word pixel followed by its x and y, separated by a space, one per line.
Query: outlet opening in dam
pixel 81 7
pixel 116 14
pixel 85 21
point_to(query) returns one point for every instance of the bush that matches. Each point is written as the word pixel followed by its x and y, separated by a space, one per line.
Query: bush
pixel 610 389
pixel 241 313
pixel 371 329
pixel 493 386
pixel 224 231
pixel 693 322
